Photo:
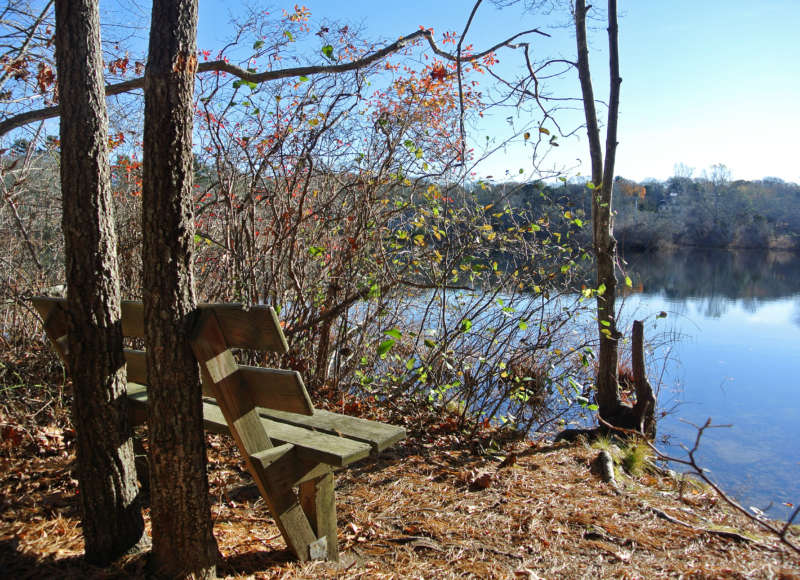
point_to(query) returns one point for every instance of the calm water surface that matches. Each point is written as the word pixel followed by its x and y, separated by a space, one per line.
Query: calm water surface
pixel 736 318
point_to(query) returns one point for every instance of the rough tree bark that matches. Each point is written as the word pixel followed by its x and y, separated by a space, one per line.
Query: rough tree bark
pixel 112 518
pixel 607 396
pixel 183 542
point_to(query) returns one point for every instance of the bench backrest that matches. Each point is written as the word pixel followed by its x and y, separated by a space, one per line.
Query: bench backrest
pixel 255 328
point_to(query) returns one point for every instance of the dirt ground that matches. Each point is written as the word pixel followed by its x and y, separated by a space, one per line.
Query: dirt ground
pixel 425 509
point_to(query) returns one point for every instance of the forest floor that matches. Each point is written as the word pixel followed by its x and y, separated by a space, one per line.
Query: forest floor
pixel 434 506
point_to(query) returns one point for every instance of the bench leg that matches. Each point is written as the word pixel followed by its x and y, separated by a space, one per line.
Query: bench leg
pixel 285 507
pixel 319 503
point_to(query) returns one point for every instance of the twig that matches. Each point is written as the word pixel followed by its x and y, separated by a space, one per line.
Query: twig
pixel 724 533
pixel 781 533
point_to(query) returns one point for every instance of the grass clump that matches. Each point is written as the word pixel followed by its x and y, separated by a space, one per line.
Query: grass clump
pixel 635 457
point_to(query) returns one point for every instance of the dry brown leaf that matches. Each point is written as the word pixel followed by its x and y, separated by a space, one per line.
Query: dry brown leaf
pixel 483 481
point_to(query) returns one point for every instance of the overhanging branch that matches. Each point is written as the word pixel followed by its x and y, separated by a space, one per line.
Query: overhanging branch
pixel 23 119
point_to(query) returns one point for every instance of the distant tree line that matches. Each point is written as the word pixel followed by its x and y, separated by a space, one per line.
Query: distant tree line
pixel 706 212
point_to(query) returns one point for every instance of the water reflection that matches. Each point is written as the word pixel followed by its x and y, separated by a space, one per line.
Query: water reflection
pixel 716 275
pixel 740 314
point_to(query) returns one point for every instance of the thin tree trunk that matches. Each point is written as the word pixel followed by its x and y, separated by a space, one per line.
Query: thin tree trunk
pixel 602 197
pixel 112 518
pixel 183 542
pixel 644 409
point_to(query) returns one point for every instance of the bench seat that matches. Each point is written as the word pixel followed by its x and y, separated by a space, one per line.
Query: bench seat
pixel 324 437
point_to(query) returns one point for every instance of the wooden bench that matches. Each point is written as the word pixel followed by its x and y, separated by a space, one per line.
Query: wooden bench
pixel 286 443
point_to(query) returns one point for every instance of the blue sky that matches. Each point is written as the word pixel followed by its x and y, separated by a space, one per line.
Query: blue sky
pixel 703 82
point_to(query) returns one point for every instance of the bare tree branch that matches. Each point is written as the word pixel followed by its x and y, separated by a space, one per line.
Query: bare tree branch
pixel 259 77
pixel 782 533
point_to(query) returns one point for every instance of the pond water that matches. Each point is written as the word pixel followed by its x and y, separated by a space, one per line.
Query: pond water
pixel 731 351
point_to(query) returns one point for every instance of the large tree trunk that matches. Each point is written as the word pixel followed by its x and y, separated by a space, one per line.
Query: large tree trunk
pixel 183 542
pixel 607 386
pixel 112 518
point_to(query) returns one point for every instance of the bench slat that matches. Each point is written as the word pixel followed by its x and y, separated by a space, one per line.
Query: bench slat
pixel 137 366
pixel 272 388
pixel 378 435
pixel 277 389
pixel 257 327
pixel 314 447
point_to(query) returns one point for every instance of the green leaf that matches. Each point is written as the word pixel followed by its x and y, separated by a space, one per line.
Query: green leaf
pixel 316 250
pixel 628 282
pixel 523 325
pixel 385 347
pixel 394 333
pixel 466 324
pixel 288 35
pixel 410 364
pixel 605 323
pixel 601 289
pixel 429 343
pixel 327 50
pixel 258 44
pixel 303 79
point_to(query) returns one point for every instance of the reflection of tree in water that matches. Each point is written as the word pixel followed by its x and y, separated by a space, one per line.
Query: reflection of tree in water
pixel 716 306
pixel 717 276
pixel 750 305
pixel 796 313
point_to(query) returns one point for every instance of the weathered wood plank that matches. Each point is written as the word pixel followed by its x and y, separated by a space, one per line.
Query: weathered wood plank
pixel 378 435
pixel 277 389
pixel 312 446
pixel 53 313
pixel 292 470
pixel 272 388
pixel 256 327
pixel 137 366
pixel 132 318
pixel 45 304
pixel 269 456
pixel 319 503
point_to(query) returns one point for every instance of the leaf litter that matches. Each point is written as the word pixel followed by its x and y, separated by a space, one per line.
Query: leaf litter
pixel 434 506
